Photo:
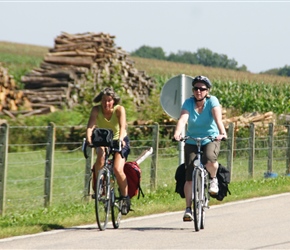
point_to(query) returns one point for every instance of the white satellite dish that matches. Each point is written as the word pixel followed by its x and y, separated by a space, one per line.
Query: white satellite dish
pixel 174 93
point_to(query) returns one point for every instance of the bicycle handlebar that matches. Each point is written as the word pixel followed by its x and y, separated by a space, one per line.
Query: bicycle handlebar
pixel 198 139
pixel 116 147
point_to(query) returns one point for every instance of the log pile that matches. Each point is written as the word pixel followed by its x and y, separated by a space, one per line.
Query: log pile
pixel 12 100
pixel 285 118
pixel 259 120
pixel 62 75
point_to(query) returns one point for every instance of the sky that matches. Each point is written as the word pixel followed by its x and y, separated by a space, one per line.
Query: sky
pixel 253 33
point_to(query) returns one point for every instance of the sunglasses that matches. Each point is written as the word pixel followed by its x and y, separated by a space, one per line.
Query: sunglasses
pixel 198 88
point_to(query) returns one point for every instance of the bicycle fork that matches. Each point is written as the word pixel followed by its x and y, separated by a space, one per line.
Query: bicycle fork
pixel 108 185
pixel 202 188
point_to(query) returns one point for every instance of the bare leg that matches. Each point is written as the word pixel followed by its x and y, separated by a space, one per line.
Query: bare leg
pixel 120 175
pixel 212 168
pixel 188 193
pixel 100 158
pixel 100 161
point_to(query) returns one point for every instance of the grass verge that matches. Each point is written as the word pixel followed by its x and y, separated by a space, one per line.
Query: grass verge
pixel 160 201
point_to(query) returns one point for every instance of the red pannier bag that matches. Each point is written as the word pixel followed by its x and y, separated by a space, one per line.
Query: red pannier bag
pixel 133 174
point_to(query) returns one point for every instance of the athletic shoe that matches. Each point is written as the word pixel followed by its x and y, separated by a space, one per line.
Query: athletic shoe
pixel 213 186
pixel 187 214
pixel 126 204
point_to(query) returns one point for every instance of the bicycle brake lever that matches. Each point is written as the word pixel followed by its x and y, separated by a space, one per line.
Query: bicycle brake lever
pixel 181 139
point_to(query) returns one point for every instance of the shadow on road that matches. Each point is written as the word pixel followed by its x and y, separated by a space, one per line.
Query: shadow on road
pixel 154 229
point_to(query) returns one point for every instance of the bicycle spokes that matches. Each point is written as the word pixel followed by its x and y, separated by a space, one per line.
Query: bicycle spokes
pixel 102 201
pixel 115 209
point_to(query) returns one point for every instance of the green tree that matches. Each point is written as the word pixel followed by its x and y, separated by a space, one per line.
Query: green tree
pixel 203 56
pixel 183 57
pixel 150 52
pixel 285 71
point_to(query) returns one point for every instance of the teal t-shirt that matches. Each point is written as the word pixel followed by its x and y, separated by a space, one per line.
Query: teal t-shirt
pixel 201 125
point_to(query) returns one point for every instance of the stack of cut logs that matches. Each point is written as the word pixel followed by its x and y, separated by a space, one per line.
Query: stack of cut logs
pixel 259 120
pixel 62 75
pixel 11 99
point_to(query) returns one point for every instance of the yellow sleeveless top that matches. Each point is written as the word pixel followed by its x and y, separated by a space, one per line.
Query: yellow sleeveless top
pixel 113 123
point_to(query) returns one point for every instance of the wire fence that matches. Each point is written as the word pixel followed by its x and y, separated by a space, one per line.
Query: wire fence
pixel 23 163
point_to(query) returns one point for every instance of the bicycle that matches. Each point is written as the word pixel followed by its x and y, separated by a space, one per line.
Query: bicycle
pixel 106 197
pixel 200 184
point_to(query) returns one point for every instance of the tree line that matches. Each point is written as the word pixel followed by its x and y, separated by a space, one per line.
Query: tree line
pixel 202 56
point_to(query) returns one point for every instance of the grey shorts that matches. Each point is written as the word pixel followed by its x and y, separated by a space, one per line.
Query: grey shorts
pixel 210 153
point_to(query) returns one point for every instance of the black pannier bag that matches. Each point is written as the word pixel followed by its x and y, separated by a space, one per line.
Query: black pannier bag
pixel 224 177
pixel 102 137
pixel 180 180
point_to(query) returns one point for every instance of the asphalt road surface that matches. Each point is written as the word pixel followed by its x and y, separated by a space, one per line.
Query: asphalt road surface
pixel 262 223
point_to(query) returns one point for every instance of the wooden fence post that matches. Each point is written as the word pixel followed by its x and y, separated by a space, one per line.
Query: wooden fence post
pixel 271 145
pixel 230 155
pixel 155 145
pixel 88 172
pixel 4 131
pixel 49 166
pixel 288 152
pixel 251 150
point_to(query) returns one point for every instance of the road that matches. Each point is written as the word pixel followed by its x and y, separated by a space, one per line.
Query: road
pixel 261 223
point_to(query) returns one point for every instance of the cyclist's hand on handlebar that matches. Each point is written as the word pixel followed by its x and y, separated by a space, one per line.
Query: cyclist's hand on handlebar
pixel 122 143
pixel 90 144
pixel 176 137
pixel 221 137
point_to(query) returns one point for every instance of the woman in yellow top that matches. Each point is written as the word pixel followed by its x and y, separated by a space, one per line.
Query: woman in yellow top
pixel 109 114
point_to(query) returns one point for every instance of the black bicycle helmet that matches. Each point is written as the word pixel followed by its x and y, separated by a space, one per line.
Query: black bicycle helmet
pixel 202 79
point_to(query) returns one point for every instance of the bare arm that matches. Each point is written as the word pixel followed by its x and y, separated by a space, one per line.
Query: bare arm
pixel 91 123
pixel 121 114
pixel 217 115
pixel 181 124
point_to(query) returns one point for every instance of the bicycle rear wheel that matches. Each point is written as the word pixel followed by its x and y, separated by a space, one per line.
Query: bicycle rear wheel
pixel 197 199
pixel 115 208
pixel 102 199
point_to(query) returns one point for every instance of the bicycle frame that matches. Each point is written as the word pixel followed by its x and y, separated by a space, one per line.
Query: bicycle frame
pixel 105 196
pixel 199 166
pixel 200 176
pixel 109 200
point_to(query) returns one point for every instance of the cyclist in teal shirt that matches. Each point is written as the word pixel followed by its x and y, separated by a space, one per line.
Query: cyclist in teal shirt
pixel 201 124
pixel 203 116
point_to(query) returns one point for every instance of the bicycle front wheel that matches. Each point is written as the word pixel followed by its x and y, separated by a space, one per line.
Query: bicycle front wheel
pixel 115 208
pixel 197 199
pixel 205 201
pixel 102 199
